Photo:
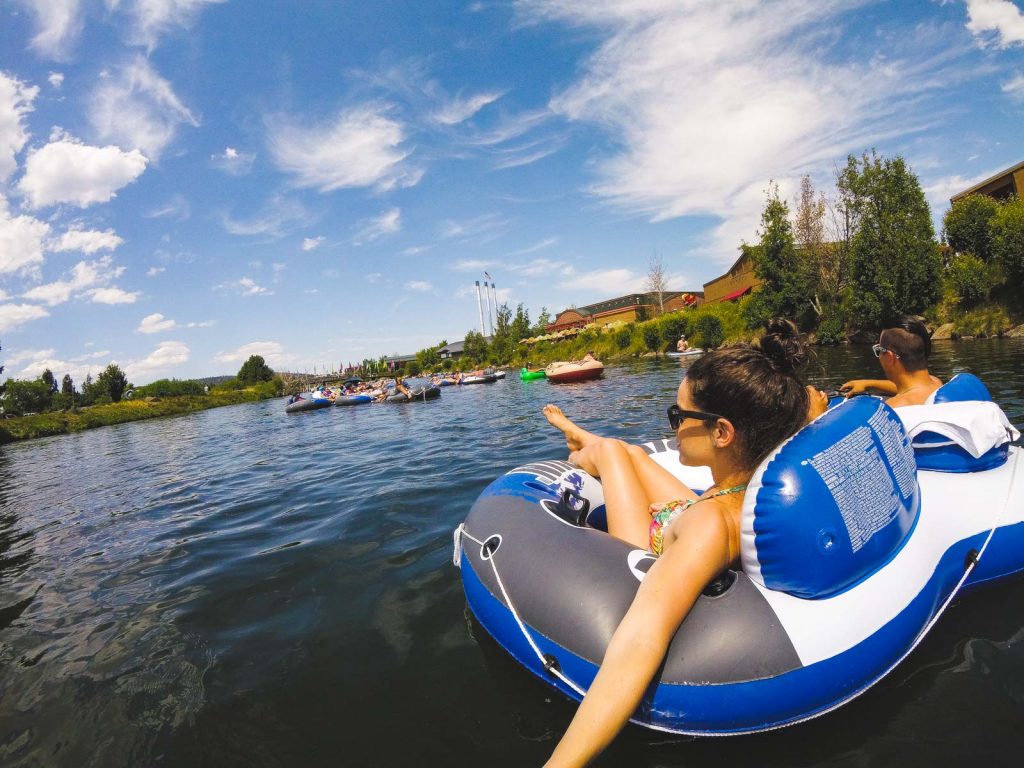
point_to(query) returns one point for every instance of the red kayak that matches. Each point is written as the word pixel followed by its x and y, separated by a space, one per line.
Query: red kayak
pixel 577 370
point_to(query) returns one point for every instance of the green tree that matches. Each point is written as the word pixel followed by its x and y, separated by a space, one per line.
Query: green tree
pixel 672 327
pixel 520 327
pixel 708 332
pixel 412 368
pixel 967 226
pixel 255 370
pixel 543 321
pixel 475 346
pixel 652 337
pixel 784 290
pixel 48 379
pixel 111 382
pixel 894 261
pixel 968 276
pixel 67 385
pixel 23 397
pixel 1008 239
pixel 624 337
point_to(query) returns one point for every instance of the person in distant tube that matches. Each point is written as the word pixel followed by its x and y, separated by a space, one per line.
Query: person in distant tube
pixel 682 345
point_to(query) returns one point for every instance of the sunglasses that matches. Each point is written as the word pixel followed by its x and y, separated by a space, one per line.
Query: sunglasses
pixel 677 415
pixel 878 349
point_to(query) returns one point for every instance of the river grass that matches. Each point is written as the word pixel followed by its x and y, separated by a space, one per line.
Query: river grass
pixel 64 422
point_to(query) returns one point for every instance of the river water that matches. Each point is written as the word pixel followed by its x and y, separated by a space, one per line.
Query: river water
pixel 241 587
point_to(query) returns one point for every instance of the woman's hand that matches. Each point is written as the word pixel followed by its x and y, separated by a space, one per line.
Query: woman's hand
pixel 861 386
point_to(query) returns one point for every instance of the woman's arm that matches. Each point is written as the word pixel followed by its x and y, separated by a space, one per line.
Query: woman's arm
pixel 860 386
pixel 637 648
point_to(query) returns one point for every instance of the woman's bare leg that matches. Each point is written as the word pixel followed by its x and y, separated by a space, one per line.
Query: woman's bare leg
pixel 658 483
pixel 625 499
pixel 575 436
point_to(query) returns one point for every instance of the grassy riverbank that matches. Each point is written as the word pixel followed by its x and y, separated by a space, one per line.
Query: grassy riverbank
pixel 64 422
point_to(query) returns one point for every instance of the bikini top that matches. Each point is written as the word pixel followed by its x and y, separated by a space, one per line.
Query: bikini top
pixel 661 519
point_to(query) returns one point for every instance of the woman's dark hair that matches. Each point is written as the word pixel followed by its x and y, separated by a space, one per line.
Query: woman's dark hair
pixel 909 339
pixel 756 387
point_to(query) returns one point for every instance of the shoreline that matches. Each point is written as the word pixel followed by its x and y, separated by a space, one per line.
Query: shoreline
pixel 20 428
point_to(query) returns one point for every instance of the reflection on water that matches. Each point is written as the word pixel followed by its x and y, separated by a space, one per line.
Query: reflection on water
pixel 242 587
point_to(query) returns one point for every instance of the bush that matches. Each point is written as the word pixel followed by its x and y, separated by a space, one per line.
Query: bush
pixel 1008 239
pixel 969 279
pixel 831 329
pixel 672 327
pixel 412 368
pixel 255 369
pixel 967 226
pixel 708 332
pixel 983 321
pixel 623 337
pixel 652 337
pixel 170 388
pixel 22 397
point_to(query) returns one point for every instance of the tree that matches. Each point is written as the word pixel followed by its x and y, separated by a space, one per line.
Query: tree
pixel 967 226
pixel 657 280
pixel 475 346
pixel 67 385
pixel 820 261
pixel 1008 239
pixel 708 332
pixel 968 276
pixel 783 291
pixel 112 382
pixel 895 265
pixel 543 321
pixel 1 380
pixel 255 370
pixel 48 379
pixel 23 397
pixel 520 328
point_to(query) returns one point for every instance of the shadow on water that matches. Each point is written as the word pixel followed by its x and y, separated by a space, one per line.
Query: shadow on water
pixel 240 587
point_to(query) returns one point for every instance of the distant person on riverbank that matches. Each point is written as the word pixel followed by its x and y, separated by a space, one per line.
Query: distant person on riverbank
pixel 902 350
pixel 682 345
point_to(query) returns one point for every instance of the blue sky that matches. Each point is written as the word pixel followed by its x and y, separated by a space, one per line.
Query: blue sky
pixel 187 182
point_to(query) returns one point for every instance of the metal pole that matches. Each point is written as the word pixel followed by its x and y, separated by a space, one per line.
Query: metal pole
pixel 487 299
pixel 494 293
pixel 480 308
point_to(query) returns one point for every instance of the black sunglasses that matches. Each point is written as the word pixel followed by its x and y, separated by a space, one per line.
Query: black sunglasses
pixel 677 415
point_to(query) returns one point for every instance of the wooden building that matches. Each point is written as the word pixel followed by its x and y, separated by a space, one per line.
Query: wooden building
pixel 1000 186
pixel 628 308
pixel 738 281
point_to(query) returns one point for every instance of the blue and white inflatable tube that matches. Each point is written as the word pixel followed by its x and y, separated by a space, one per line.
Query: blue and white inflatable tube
pixel 849 555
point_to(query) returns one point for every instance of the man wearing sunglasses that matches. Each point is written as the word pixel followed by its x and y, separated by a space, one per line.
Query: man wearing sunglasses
pixel 902 351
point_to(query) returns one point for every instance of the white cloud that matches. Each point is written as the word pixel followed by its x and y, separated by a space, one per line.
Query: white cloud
pixel 89 355
pixel 21 241
pixel 472 265
pixel 613 282
pixel 153 18
pixel 15 103
pixel 3 295
pixel 87 240
pixel 67 171
pixel 538 267
pixel 373 277
pixel 708 100
pixel 177 209
pixel 233 162
pixel 1014 87
pixel 481 226
pixel 154 271
pixel 311 243
pixel 271 351
pixel 361 147
pixel 90 278
pixel 113 295
pixel 55 79
pixel 245 286
pixel 58 23
pixel 461 108
pixel 372 229
pixel 155 323
pixel 278 217
pixel 419 285
pixel 160 362
pixel 138 109
pixel 13 315
pixel 201 324
pixel 996 22
pixel 538 246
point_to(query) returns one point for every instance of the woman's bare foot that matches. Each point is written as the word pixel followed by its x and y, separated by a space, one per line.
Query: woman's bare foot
pixel 586 458
pixel 576 437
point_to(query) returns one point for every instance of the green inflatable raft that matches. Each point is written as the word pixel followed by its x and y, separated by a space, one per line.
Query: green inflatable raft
pixel 527 375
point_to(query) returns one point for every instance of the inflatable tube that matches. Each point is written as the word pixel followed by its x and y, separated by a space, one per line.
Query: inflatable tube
pixel 576 370
pixel 306 401
pixel 849 556
pixel 527 375
pixel 353 399
pixel 688 353
pixel 418 394
pixel 487 378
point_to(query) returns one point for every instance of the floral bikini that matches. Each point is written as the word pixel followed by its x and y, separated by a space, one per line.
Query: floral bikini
pixel 661 519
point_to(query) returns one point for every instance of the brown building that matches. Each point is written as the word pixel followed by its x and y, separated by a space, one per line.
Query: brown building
pixel 1000 186
pixel 738 281
pixel 629 308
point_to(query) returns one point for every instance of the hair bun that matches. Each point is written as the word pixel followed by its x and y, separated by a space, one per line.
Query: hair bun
pixel 783 344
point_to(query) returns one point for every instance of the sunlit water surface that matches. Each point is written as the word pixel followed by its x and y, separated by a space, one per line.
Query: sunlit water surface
pixel 241 587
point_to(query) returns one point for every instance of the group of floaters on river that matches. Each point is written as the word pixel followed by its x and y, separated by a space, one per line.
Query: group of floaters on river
pixel 735 406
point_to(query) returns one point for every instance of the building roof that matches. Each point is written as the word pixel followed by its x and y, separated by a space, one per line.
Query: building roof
pixel 992 179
